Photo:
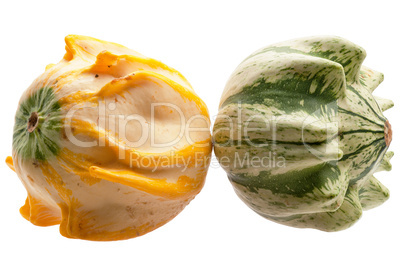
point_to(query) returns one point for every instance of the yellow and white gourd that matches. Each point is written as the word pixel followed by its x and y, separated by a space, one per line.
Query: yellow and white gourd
pixel 105 143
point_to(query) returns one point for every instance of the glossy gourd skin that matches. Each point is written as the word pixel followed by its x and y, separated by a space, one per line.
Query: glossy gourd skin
pixel 90 167
pixel 306 107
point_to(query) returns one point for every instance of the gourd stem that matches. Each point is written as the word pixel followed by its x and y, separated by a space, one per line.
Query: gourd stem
pixel 387 133
pixel 33 122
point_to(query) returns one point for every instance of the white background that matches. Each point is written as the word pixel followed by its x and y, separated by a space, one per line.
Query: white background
pixel 205 41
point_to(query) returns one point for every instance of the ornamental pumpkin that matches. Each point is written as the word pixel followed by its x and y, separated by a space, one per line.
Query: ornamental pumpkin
pixel 300 134
pixel 109 144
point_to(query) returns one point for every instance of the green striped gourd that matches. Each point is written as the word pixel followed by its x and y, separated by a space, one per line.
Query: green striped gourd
pixel 300 134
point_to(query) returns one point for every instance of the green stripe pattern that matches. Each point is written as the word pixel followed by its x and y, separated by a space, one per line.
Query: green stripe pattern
pixel 300 134
pixel 43 142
